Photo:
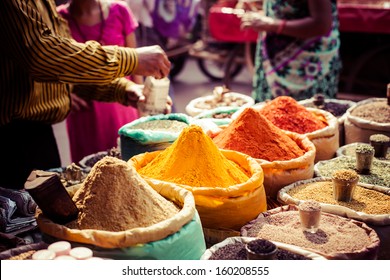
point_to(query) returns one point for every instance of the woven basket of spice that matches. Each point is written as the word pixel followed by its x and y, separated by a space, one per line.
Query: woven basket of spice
pixel 233 248
pixel 365 118
pixel 122 217
pixel 336 238
pixel 371 205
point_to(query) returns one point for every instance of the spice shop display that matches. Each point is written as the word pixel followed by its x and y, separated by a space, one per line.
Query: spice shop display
pixel 370 204
pixel 221 97
pixel 365 118
pixel 233 248
pixel 284 156
pixel 350 151
pixel 227 185
pixel 379 172
pixel 336 107
pixel 336 237
pixel 122 217
pixel 151 133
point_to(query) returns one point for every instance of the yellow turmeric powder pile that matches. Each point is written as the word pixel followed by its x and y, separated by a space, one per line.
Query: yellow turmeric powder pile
pixel 194 160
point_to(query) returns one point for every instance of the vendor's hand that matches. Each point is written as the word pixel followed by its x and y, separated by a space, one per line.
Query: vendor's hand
pixel 152 61
pixel 258 22
pixel 134 94
pixel 78 103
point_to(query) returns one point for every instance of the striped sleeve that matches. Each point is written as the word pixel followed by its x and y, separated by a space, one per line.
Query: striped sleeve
pixel 50 57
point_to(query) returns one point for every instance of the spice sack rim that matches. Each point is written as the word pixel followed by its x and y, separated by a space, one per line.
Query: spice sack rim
pixel 241 239
pixel 256 178
pixel 131 237
pixel 344 211
pixel 363 123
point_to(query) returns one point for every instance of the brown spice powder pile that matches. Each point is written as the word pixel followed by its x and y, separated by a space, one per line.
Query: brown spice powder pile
pixel 377 111
pixel 335 234
pixel 345 175
pixel 364 200
pixel 115 198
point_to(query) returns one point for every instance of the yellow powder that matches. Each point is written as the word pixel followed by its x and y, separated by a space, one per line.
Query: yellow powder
pixel 194 160
pixel 115 198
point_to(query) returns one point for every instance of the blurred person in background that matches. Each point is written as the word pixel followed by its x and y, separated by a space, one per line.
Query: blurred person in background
pixel 93 125
pixel 298 48
pixel 40 66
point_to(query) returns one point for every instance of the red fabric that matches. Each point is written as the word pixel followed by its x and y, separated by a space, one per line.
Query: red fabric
pixel 225 26
pixel 363 18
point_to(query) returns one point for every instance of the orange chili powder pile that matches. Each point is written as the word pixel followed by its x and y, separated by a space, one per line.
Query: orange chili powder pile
pixel 252 134
pixel 286 113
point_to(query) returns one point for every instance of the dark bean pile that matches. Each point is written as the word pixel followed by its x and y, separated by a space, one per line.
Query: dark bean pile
pixel 113 152
pixel 237 251
pixel 261 246
pixel 336 109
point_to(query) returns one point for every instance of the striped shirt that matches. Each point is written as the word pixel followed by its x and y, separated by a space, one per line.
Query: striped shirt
pixel 40 63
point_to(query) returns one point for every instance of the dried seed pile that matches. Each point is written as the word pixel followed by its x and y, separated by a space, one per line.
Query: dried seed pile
pixel 161 125
pixel 379 172
pixel 377 111
pixel 237 251
pixel 350 151
pixel 364 200
pixel 345 175
pixel 334 235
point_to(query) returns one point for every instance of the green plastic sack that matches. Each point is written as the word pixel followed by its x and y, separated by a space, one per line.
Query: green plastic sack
pixel 137 141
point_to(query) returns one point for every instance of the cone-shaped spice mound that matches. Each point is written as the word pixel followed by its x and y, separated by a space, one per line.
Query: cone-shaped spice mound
pixel 194 160
pixel 252 134
pixel 286 113
pixel 115 198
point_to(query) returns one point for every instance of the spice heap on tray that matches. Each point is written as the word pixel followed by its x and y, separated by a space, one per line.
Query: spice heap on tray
pixel 286 113
pixel 252 134
pixel 194 160
pixel 114 198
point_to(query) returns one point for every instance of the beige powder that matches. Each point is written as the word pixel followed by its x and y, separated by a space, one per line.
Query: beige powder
pixel 115 198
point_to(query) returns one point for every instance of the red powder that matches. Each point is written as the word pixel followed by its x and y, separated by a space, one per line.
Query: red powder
pixel 252 134
pixel 286 113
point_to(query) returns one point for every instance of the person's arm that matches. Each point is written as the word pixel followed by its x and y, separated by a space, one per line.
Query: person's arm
pixel 50 57
pixel 317 24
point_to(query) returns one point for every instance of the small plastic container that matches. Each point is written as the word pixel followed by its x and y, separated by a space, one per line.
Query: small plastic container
pixel 261 249
pixel 364 156
pixel 81 253
pixel 381 143
pixel 344 184
pixel 43 254
pixel 310 215
pixel 60 248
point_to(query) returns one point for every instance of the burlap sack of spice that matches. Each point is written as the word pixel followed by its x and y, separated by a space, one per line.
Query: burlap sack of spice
pixel 358 129
pixel 244 240
pixel 325 234
pixel 221 207
pixel 278 173
pixel 379 222
pixel 137 236
pixel 326 140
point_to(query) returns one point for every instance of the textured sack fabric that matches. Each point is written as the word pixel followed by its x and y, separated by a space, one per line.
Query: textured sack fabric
pixel 358 129
pixel 137 236
pixel 221 208
pixel 278 174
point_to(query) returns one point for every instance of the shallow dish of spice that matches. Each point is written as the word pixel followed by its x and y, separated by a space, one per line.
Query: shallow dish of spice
pixel 370 204
pixel 379 173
